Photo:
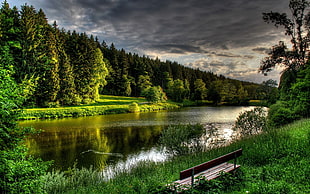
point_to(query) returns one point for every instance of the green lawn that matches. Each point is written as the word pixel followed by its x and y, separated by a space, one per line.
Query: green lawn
pixel 117 100
pixel 105 105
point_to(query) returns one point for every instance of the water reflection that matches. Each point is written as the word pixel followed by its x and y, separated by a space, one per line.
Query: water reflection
pixel 154 155
pixel 115 139
pixel 74 145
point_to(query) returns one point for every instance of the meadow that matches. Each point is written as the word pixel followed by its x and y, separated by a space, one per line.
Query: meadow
pixel 105 105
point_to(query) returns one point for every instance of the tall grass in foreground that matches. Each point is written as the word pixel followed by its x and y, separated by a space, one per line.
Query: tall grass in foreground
pixel 59 182
pixel 276 161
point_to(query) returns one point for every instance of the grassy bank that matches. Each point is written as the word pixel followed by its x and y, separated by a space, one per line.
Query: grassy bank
pixel 105 105
pixel 277 161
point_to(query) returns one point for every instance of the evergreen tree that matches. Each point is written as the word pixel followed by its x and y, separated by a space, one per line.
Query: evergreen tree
pixel 67 94
pixel 100 72
pixel 144 82
pixel 49 84
pixel 217 91
pixel 19 173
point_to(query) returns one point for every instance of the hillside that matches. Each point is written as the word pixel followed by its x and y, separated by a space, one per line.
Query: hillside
pixel 57 67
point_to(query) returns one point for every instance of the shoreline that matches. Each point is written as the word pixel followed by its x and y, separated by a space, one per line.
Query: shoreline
pixel 83 111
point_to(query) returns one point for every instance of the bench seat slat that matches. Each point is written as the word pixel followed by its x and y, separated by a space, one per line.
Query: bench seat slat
pixel 210 173
pixel 210 164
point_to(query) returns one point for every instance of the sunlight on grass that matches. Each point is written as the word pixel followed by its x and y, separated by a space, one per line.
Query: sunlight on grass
pixel 117 100
pixel 105 105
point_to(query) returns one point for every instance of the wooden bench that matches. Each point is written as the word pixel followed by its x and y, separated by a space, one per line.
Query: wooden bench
pixel 210 170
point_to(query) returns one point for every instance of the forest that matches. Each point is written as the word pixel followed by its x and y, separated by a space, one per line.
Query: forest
pixel 42 65
pixel 56 67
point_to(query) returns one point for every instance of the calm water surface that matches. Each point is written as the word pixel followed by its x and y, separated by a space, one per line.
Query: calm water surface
pixel 120 140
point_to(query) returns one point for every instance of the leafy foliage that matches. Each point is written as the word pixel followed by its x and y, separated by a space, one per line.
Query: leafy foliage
pixel 251 122
pixel 134 107
pixel 297 106
pixel 280 114
pixel 19 173
pixel 268 92
pixel 297 29
pixel 182 139
pixel 154 94
pixel 300 93
pixel 200 90
pixel 294 84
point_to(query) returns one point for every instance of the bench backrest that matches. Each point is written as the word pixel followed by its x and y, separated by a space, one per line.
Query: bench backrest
pixel 204 166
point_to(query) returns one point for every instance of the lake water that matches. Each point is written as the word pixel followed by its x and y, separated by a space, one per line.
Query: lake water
pixel 120 140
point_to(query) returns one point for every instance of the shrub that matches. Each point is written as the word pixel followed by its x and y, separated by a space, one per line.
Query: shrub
pixel 300 93
pixel 280 114
pixel 154 94
pixel 134 107
pixel 182 139
pixel 251 122
pixel 21 174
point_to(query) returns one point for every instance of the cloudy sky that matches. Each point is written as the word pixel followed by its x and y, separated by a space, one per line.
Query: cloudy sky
pixel 227 37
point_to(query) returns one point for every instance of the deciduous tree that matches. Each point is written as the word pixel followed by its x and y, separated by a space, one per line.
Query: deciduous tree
pixel 297 28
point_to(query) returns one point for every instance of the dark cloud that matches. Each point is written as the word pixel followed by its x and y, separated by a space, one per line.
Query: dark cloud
pixel 261 50
pixel 199 23
pixel 217 28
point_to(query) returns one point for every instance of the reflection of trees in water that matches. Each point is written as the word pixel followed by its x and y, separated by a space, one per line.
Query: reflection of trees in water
pixel 67 146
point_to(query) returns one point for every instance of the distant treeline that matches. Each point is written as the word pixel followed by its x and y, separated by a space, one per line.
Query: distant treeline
pixel 59 67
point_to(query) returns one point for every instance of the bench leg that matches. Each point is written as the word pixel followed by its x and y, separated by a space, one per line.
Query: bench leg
pixel 193 177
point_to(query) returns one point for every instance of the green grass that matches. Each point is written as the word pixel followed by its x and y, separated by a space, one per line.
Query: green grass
pixel 117 100
pixel 105 105
pixel 277 161
pixel 255 102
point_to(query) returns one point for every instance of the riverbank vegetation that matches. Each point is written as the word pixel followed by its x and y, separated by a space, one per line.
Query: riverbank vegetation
pixel 19 173
pixel 105 105
pixel 275 161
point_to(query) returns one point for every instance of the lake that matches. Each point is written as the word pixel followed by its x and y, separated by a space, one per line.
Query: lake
pixel 120 140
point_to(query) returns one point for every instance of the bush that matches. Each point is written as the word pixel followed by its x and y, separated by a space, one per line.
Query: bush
pixel 134 107
pixel 280 114
pixel 154 94
pixel 251 122
pixel 182 139
pixel 19 173
pixel 300 93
